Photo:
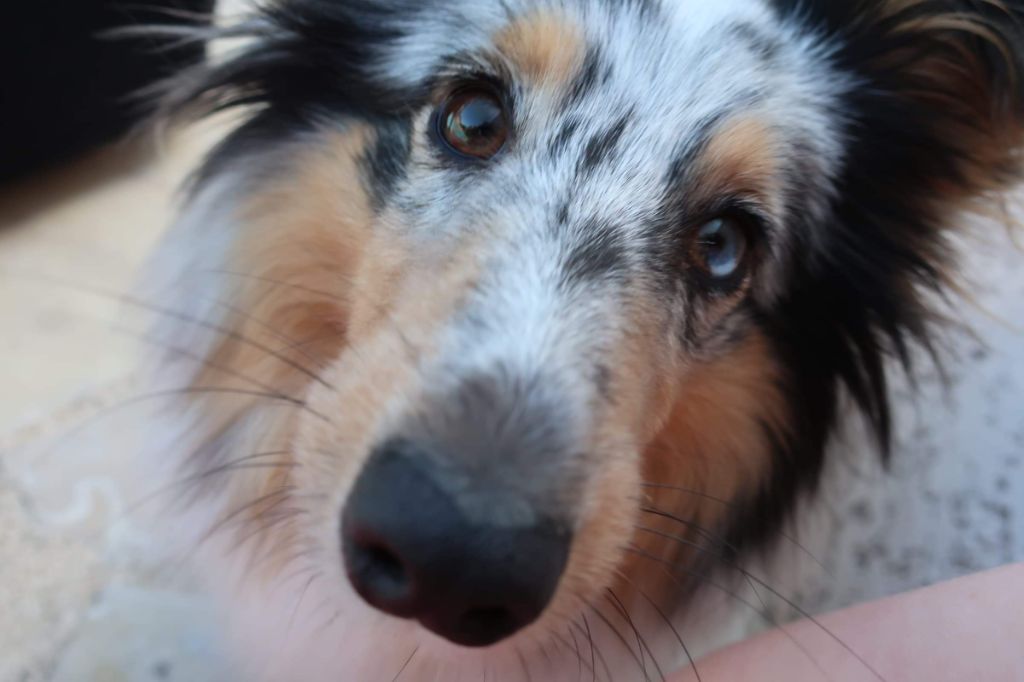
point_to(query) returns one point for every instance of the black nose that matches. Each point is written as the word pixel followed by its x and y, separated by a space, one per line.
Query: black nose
pixel 410 551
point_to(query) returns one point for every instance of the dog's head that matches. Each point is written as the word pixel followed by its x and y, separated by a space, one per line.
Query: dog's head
pixel 572 289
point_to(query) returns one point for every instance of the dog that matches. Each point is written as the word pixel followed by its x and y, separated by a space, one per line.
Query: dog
pixel 504 326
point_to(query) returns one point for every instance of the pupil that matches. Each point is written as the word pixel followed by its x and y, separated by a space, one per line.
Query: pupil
pixel 477 118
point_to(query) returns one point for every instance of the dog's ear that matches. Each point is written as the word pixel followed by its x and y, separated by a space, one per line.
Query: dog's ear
pixel 300 57
pixel 937 90
pixel 931 103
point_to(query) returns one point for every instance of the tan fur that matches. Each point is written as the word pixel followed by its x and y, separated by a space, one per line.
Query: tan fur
pixel 742 158
pixel 546 48
pixel 713 448
pixel 289 277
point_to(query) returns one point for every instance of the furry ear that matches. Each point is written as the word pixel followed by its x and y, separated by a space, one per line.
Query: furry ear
pixel 938 87
pixel 932 96
pixel 299 58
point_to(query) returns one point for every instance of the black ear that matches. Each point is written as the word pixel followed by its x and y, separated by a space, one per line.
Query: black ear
pixel 934 111
pixel 300 58
pixel 938 89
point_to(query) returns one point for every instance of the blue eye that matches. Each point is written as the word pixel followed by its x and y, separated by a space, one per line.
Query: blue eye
pixel 722 247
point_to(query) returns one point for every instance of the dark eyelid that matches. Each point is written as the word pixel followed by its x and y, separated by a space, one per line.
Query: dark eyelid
pixel 464 70
pixel 743 209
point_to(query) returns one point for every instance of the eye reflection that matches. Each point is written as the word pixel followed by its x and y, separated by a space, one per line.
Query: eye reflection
pixel 473 123
pixel 722 247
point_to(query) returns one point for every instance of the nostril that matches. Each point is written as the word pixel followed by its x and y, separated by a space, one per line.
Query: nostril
pixel 379 575
pixel 388 568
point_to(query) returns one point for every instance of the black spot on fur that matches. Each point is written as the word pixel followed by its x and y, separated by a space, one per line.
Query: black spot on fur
pixel 603 381
pixel 649 9
pixel 764 46
pixel 564 135
pixel 602 144
pixel 387 160
pixel 590 75
pixel 599 253
pixel 697 142
pixel 562 215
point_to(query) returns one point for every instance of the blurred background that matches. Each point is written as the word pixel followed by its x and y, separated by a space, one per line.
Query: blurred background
pixel 84 196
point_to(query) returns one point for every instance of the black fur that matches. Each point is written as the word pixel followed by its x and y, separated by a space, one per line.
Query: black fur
pixel 386 162
pixel 589 77
pixel 311 59
pixel 600 147
pixel 856 303
pixel 601 256
pixel 66 83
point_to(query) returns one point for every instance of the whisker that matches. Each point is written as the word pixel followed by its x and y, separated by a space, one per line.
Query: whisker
pixel 668 621
pixel 290 343
pixel 298 604
pixel 789 602
pixel 202 361
pixel 223 523
pixel 579 656
pixel 713 538
pixel 329 295
pixel 665 566
pixel 522 664
pixel 406 664
pixel 135 301
pixel 618 635
pixel 221 390
pixel 542 646
pixel 105 412
pixel 731 505
pixel 782 627
pixel 594 652
pixel 240 464
pixel 273 517
pixel 279 493
pixel 641 643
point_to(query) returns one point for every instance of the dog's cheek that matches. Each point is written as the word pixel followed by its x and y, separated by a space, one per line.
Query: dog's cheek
pixel 714 452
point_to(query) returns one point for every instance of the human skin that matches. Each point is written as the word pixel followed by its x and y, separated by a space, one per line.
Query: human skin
pixel 967 630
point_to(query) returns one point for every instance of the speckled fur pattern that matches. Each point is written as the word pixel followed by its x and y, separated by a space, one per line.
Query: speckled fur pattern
pixel 339 278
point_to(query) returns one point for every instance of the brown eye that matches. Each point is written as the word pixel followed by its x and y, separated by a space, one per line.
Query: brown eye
pixel 473 123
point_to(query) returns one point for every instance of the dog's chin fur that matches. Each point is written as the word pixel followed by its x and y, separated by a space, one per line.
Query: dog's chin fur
pixel 544 319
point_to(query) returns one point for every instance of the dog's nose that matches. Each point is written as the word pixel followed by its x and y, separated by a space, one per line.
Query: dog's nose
pixel 410 551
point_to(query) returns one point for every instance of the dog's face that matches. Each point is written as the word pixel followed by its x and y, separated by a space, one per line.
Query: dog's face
pixel 569 291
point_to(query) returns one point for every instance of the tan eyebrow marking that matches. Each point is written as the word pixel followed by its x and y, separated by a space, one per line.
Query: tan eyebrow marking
pixel 742 157
pixel 545 46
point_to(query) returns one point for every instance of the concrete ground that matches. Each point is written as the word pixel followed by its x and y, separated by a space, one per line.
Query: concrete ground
pixel 80 603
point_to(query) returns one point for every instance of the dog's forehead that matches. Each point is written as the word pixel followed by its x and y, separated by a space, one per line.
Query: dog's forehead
pixel 618 100
pixel 660 38
pixel 664 73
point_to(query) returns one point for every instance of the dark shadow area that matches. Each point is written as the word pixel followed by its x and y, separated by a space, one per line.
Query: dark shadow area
pixel 66 85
